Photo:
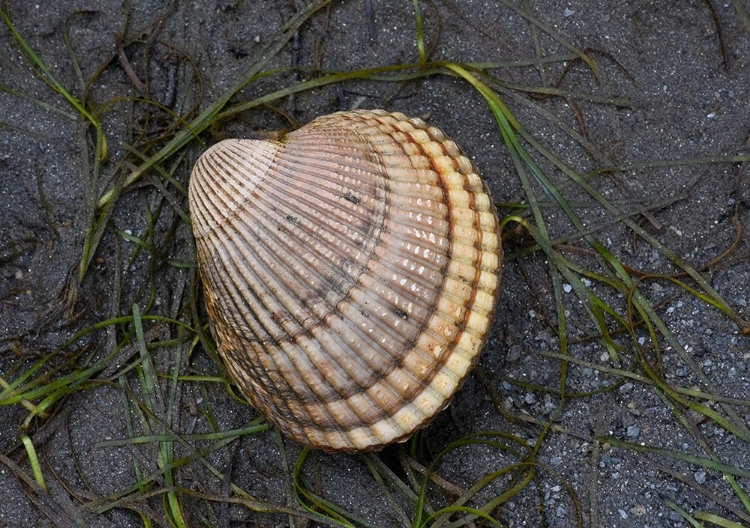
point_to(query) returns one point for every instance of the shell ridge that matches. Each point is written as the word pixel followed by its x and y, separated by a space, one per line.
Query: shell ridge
pixel 418 383
pixel 360 378
pixel 206 215
pixel 272 209
pixel 284 279
pixel 399 247
pixel 329 231
pixel 257 302
pixel 313 261
pixel 410 391
pixel 333 311
pixel 448 238
pixel 348 285
pixel 352 189
pixel 343 299
pixel 302 203
pixel 410 345
pixel 457 324
pixel 255 329
pixel 230 187
pixel 383 346
pixel 282 354
pixel 314 184
pixel 282 370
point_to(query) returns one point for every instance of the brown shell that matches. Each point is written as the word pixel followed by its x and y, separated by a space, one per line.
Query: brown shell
pixel 350 271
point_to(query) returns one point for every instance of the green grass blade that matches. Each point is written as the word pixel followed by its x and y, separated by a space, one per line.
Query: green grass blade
pixel 717 520
pixel 676 455
pixel 420 33
pixel 36 469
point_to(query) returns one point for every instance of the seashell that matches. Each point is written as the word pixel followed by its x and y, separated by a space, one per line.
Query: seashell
pixel 350 273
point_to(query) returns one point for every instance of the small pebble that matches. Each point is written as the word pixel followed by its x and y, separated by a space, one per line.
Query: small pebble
pixel 514 353
pixel 700 477
pixel 622 513
pixel 633 431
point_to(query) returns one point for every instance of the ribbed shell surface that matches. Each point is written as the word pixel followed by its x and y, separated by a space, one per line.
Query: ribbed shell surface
pixel 350 273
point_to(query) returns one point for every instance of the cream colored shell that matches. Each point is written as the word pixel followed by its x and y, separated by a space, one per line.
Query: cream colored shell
pixel 350 272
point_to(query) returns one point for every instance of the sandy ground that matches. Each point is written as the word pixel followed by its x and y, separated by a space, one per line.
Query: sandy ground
pixel 666 91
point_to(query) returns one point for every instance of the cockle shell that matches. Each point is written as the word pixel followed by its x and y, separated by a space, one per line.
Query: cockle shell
pixel 350 271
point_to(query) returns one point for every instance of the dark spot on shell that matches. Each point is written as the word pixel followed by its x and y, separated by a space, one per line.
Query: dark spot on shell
pixel 400 313
pixel 349 197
